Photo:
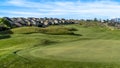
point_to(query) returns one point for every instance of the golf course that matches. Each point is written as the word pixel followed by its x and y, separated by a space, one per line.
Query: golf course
pixel 60 46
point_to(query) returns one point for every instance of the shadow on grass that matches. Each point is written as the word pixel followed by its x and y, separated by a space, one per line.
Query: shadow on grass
pixel 76 34
pixel 29 33
pixel 86 39
pixel 45 42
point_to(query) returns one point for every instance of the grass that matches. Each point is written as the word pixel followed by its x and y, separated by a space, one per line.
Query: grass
pixel 83 52
pixel 96 48
pixel 53 30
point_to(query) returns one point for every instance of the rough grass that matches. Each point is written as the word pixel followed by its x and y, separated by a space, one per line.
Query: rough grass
pixel 25 30
pixel 59 30
pixel 96 48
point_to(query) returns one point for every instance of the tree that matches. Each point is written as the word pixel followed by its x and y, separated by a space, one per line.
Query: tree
pixel 4 23
pixel 95 19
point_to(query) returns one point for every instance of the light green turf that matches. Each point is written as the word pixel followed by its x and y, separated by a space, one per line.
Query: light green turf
pixel 85 51
pixel 96 48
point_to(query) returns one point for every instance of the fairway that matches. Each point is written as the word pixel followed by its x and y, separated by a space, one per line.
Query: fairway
pixel 91 47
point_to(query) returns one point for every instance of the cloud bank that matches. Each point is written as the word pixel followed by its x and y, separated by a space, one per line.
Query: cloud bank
pixel 62 9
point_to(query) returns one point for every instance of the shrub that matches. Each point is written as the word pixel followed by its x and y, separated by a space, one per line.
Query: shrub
pixel 5 23
pixel 2 28
pixel 4 36
pixel 6 32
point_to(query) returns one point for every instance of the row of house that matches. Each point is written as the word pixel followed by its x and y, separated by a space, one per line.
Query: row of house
pixel 115 20
pixel 40 22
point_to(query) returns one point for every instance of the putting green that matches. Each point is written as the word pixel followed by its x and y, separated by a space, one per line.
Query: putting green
pixel 83 51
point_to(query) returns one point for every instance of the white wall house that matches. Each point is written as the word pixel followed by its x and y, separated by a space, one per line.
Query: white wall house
pixel 117 20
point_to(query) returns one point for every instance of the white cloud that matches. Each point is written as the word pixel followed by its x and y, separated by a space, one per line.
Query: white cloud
pixel 102 8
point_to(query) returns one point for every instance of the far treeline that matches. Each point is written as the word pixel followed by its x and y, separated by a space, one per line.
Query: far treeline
pixel 9 23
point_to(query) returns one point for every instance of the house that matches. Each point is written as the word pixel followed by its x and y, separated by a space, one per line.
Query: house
pixel 115 20
pixel 32 21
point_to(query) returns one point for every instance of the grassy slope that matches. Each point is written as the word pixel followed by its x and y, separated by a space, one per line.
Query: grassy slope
pixel 96 48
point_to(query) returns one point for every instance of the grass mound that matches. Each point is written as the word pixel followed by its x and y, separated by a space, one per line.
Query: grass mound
pixel 92 24
pixel 53 30
pixel 25 30
pixel 59 30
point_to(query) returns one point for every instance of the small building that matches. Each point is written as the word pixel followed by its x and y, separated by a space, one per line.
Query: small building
pixel 115 20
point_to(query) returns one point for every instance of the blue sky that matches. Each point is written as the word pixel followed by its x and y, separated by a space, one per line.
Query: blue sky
pixel 75 9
